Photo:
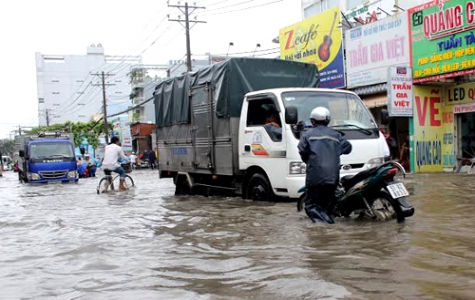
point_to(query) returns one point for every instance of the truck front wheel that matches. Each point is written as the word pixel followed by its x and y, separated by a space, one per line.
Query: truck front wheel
pixel 259 189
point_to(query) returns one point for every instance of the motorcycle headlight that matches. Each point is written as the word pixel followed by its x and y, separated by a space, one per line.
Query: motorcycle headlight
pixel 34 176
pixel 374 162
pixel 72 174
pixel 297 168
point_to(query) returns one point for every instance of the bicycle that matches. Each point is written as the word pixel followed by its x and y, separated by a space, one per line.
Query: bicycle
pixel 110 182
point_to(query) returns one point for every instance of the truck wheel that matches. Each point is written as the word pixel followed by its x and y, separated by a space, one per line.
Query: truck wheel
pixel 183 187
pixel 259 189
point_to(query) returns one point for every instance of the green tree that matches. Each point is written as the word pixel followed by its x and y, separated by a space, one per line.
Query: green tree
pixel 7 146
pixel 89 131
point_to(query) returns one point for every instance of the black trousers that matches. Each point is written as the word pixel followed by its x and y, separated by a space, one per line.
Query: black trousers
pixel 318 202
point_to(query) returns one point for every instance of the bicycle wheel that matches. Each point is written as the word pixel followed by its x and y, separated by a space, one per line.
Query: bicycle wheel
pixel 105 186
pixel 128 183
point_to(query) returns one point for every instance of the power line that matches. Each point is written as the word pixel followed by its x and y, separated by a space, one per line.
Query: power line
pixel 250 7
pixel 232 5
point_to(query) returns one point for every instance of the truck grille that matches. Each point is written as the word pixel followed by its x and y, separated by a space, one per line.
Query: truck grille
pixel 53 174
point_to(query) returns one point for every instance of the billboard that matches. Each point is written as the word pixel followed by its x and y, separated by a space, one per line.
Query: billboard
pixel 433 131
pixel 122 130
pixel 443 44
pixel 317 40
pixel 372 48
pixel 400 91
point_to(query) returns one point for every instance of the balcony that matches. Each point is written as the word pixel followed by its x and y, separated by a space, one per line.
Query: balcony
pixel 137 100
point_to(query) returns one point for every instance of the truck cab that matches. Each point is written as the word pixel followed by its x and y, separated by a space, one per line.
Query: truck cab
pixel 269 154
pixel 47 158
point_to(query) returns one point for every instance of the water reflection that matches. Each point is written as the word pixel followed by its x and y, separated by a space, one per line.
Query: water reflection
pixel 68 242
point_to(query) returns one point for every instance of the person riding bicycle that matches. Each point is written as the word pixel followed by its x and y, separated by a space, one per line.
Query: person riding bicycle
pixel 112 153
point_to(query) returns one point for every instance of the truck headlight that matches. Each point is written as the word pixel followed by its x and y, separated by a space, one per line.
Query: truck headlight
pixel 297 168
pixel 374 162
pixel 72 174
pixel 34 176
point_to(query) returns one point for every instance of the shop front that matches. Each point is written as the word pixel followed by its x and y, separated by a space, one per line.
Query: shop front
pixel 443 57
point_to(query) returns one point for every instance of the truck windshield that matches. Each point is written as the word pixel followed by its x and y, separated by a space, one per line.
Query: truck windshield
pixel 51 150
pixel 347 110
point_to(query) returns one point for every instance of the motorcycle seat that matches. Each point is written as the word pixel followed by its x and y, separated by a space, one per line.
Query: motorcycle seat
pixel 350 180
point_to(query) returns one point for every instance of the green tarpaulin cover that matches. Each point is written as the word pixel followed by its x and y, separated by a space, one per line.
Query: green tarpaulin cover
pixel 231 80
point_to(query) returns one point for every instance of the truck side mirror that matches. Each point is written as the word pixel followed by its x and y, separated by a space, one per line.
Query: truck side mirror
pixel 291 115
pixel 384 117
pixel 82 150
pixel 21 153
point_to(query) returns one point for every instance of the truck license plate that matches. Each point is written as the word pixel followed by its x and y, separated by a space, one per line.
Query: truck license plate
pixel 398 190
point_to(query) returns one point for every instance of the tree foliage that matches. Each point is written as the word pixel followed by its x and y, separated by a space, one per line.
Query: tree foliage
pixel 7 147
pixel 89 131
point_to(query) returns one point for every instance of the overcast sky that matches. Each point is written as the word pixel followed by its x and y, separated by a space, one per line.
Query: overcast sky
pixel 123 27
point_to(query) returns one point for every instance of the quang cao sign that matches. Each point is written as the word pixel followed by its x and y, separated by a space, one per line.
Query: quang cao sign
pixel 317 40
pixel 400 92
pixel 443 42
pixel 460 94
pixel 372 48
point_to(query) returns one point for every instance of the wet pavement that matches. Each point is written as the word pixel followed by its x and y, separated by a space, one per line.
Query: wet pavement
pixel 67 242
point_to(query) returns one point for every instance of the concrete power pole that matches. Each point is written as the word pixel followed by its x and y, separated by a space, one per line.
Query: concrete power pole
pixel 187 22
pixel 47 117
pixel 104 101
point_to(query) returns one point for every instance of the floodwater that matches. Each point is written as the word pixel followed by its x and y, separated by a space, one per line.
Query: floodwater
pixel 67 242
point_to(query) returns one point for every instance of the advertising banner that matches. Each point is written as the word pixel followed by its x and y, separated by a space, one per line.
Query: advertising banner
pixel 372 48
pixel 433 130
pixel 400 92
pixel 317 40
pixel 460 94
pixel 443 44
pixel 122 130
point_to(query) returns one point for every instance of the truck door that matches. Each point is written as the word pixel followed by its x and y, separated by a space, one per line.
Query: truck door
pixel 202 127
pixel 263 142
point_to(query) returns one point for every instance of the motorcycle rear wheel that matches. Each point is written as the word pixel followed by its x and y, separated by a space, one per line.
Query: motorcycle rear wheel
pixel 386 208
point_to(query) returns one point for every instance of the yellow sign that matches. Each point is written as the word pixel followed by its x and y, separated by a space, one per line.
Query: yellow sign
pixel 460 94
pixel 433 130
pixel 317 40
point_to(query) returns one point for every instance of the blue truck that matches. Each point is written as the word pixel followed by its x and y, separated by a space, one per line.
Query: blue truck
pixel 46 158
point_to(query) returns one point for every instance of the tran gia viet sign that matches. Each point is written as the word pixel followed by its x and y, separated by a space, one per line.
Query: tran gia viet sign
pixel 443 43
pixel 372 48
pixel 317 40
pixel 400 92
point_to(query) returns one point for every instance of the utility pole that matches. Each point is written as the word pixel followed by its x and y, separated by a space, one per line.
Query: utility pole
pixel 47 117
pixel 104 101
pixel 187 22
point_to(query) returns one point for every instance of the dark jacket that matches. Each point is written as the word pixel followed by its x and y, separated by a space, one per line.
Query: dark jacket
pixel 320 148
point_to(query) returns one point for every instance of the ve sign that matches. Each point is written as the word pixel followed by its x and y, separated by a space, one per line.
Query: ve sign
pixel 433 131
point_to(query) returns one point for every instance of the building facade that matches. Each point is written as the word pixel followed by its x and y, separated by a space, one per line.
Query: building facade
pixel 69 90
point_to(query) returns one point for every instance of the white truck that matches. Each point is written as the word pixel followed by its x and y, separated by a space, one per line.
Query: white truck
pixel 212 132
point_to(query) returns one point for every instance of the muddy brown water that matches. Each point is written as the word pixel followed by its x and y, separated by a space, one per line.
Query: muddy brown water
pixel 67 242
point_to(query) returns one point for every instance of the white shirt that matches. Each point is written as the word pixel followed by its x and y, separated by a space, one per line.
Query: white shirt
pixel 111 157
pixel 133 158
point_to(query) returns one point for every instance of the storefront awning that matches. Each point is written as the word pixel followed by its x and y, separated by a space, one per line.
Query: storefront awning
pixel 375 101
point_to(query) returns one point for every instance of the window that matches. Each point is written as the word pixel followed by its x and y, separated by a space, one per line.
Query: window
pixel 320 6
pixel 346 109
pixel 263 112
pixel 351 4
pixel 41 100
pixel 56 104
pixel 55 93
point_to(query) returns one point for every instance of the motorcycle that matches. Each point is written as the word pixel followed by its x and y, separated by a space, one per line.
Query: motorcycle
pixel 373 193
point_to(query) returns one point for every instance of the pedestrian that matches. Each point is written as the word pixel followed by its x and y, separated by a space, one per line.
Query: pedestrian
pixel 133 160
pixel 1 164
pixel 320 148
pixel 152 159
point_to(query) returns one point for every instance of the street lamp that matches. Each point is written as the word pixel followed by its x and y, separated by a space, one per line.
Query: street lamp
pixel 230 44
pixel 396 8
pixel 379 8
pixel 257 46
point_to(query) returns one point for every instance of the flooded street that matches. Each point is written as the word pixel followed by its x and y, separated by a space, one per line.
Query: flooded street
pixel 67 242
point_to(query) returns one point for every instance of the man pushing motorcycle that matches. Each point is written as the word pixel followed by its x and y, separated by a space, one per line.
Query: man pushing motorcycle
pixel 320 148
